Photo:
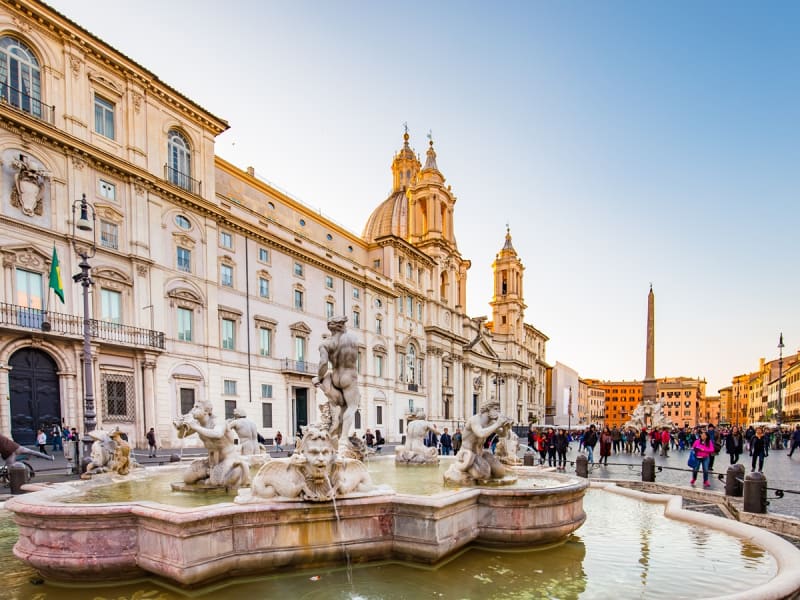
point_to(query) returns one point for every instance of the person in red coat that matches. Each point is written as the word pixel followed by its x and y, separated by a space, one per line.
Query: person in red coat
pixel 606 441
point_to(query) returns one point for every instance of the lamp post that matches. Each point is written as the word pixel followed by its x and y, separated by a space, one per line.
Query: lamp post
pixel 569 411
pixel 86 249
pixel 780 385
pixel 498 381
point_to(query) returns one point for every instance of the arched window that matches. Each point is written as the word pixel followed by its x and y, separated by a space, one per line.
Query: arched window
pixel 20 78
pixel 179 160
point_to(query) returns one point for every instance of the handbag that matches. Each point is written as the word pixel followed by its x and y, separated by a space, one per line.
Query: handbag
pixel 694 462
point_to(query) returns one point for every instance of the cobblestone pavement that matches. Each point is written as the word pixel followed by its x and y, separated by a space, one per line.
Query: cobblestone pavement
pixel 780 471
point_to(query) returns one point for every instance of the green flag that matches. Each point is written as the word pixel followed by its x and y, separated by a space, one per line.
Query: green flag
pixel 55 277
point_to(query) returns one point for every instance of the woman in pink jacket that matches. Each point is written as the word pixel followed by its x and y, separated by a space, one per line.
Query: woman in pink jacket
pixel 703 448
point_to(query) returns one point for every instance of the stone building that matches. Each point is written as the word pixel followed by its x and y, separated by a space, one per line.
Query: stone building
pixel 208 283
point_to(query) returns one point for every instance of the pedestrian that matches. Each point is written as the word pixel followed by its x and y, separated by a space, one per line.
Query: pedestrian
pixel 551 448
pixel 616 438
pixel 606 441
pixel 151 442
pixel 41 439
pixel 589 442
pixel 795 440
pixel 369 438
pixel 432 439
pixel 703 449
pixel 562 444
pixel 446 442
pixel 278 442
pixel 734 444
pixel 714 437
pixel 643 440
pixel 379 441
pixel 541 446
pixel 457 440
pixel 531 438
pixel 665 441
pixel 759 448
pixel 55 433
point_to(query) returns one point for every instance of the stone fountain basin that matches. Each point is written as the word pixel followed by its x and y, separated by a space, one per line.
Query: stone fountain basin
pixel 194 546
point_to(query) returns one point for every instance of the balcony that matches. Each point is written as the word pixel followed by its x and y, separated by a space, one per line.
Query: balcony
pixel 26 103
pixel 182 180
pixel 299 367
pixel 22 318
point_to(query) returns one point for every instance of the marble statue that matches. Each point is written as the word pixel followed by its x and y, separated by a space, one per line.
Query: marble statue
pixel 10 451
pixel 507 446
pixel 649 413
pixel 414 451
pixel 247 432
pixel 314 473
pixel 110 453
pixel 474 463
pixel 339 383
pixel 224 466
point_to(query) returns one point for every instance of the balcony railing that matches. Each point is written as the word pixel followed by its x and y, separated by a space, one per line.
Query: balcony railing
pixel 298 366
pixel 26 103
pixel 182 180
pixel 72 325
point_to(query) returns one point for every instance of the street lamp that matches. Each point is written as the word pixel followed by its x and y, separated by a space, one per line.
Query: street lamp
pixel 569 411
pixel 86 249
pixel 498 381
pixel 780 385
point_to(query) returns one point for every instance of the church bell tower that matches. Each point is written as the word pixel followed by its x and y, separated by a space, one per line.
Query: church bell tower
pixel 508 303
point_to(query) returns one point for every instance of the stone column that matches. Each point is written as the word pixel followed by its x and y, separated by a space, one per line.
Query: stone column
pixel 5 400
pixel 149 392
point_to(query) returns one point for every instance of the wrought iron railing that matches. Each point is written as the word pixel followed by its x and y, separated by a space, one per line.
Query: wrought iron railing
pixel 299 366
pixel 182 180
pixel 27 103
pixel 72 325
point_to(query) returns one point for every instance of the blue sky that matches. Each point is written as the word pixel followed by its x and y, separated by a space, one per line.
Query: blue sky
pixel 624 142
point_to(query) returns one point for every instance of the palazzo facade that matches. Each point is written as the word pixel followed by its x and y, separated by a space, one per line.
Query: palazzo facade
pixel 208 283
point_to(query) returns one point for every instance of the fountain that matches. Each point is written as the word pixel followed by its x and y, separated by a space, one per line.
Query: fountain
pixel 316 510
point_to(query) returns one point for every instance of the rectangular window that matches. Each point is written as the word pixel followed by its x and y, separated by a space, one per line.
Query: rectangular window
pixel 356 319
pixel 298 299
pixel 226 275
pixel 409 271
pixel 376 264
pixel 263 255
pixel 227 334
pixel 356 293
pixel 360 363
pixel 29 289
pixel 419 311
pixel 266 414
pixel 300 349
pixel 118 390
pixel 107 190
pixel 104 117
pixel 399 266
pixel 378 325
pixel 266 390
pixel 400 426
pixel 329 309
pixel 264 341
pixel 401 367
pixel 111 306
pixel 187 400
pixel 230 406
pixel 263 287
pixel 378 366
pixel 379 415
pixel 410 306
pixel 226 240
pixel 229 388
pixel 399 305
pixel 446 376
pixel 184 324
pixel 419 276
pixel 329 282
pixel 109 237
pixel 184 260
pixel 298 269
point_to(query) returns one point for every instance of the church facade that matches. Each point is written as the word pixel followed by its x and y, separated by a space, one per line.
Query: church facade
pixel 209 284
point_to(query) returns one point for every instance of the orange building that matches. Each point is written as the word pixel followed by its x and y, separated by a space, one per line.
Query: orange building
pixel 621 399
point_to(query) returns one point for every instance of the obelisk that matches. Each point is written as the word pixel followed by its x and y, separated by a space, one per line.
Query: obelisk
pixel 650 387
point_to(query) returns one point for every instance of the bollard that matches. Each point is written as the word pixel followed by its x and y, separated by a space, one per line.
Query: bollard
pixel 174 458
pixel 755 493
pixel 648 469
pixel 527 459
pixel 582 466
pixel 733 483
pixel 17 477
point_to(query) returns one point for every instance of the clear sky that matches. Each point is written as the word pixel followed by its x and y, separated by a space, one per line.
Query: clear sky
pixel 623 142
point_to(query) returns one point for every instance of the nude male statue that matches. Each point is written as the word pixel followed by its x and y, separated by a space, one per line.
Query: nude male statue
pixel 247 431
pixel 473 462
pixel 224 465
pixel 340 382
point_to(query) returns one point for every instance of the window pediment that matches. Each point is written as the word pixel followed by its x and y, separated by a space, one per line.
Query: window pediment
pixel 300 327
pixel 105 83
pixel 226 312
pixel 262 321
pixel 185 298
pixel 113 278
pixel 108 213
pixel 227 260
pixel 27 257
pixel 379 349
pixel 183 240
